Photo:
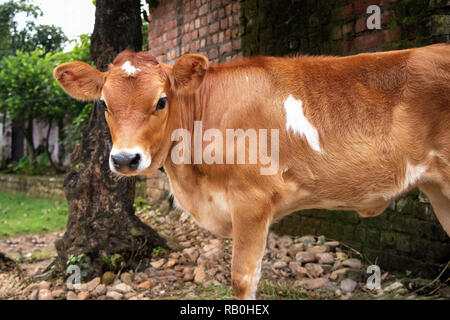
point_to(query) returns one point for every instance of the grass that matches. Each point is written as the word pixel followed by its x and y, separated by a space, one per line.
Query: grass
pixel 20 214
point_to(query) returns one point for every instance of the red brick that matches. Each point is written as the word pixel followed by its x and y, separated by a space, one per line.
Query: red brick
pixel 203 9
pixel 214 27
pixel 204 21
pixel 229 9
pixel 203 32
pixel 197 23
pixel 346 11
pixel 215 4
pixel 221 13
pixel 228 34
pixel 360 6
pixel 236 44
pixel 221 36
pixel 223 24
pixel 213 53
pixel 361 25
pixel 368 41
pixel 224 48
pixel 390 35
pixel 214 38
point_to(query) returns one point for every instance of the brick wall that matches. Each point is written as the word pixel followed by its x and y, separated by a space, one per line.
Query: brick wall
pixel 406 237
pixel 209 27
pixel 339 27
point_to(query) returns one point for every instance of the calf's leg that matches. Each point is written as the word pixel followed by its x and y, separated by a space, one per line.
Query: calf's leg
pixel 249 243
pixel 440 203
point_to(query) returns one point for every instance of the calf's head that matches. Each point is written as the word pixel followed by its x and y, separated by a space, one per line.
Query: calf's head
pixel 140 100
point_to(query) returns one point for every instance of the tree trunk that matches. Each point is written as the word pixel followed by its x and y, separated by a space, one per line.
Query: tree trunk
pixel 101 214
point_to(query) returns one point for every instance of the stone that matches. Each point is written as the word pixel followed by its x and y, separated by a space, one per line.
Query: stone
pixel 213 255
pixel 108 278
pixel 191 254
pixel 352 263
pixel 31 288
pixel 305 257
pixel 285 242
pixel 57 293
pixel 308 240
pixel 71 296
pixel 199 274
pixel 279 265
pixel 311 284
pixel 296 268
pixel 33 295
pixel 44 285
pixel 91 285
pixel 348 285
pixel 100 290
pixel 171 263
pixel 338 273
pixel 318 249
pixel 122 288
pixel 115 295
pixel 126 278
pixel 158 264
pixel 325 258
pixel 314 270
pixel 45 294
pixel 332 244
pixel 144 285
pixel 83 295
pixel 393 286
pixel 78 287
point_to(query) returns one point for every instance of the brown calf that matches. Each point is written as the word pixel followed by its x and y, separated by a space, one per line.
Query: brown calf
pixel 347 133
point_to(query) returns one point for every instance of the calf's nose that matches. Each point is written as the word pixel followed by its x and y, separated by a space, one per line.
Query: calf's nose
pixel 126 160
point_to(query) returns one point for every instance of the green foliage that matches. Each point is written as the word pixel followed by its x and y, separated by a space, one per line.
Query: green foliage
pixel 113 260
pixel 80 262
pixel 48 38
pixel 158 250
pixel 29 91
pixel 21 214
pixel 39 165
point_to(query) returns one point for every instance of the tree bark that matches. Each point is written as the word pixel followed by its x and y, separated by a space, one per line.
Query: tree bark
pixel 101 217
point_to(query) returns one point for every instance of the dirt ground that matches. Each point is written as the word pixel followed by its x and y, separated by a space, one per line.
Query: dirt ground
pixel 307 267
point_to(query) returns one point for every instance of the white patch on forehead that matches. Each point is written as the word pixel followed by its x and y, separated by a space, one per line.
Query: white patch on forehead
pixel 145 162
pixel 129 68
pixel 297 122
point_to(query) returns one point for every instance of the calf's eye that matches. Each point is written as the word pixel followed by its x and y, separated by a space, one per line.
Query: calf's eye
pixel 161 103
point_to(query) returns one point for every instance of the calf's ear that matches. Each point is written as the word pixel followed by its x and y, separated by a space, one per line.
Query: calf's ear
pixel 188 72
pixel 80 80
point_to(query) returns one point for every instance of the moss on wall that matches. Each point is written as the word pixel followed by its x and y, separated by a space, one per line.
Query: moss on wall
pixel 282 27
pixel 422 22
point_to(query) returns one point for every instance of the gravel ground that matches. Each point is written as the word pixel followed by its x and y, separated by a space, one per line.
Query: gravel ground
pixel 307 267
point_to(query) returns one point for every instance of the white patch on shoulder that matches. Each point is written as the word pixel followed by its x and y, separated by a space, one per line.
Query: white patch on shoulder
pixel 129 68
pixel 297 122
pixel 413 174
